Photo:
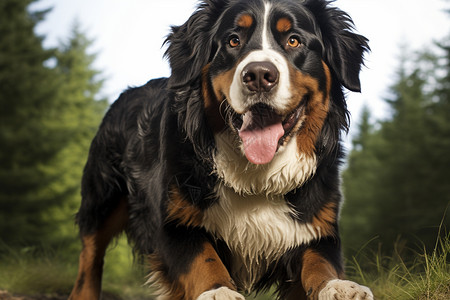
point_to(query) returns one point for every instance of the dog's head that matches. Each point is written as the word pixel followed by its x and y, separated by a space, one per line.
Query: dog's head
pixel 271 71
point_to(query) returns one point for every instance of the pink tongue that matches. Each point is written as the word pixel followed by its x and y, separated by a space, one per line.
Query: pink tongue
pixel 260 133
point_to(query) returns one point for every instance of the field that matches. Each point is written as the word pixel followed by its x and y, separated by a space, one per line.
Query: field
pixel 49 276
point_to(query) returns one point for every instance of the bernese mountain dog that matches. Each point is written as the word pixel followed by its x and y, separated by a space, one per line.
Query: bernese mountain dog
pixel 225 176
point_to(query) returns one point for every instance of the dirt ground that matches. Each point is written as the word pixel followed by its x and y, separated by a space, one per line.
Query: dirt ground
pixel 4 295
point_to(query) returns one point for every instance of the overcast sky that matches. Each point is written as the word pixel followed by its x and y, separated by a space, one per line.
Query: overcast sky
pixel 128 35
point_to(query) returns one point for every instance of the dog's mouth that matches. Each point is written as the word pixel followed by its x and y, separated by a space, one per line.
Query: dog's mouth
pixel 263 131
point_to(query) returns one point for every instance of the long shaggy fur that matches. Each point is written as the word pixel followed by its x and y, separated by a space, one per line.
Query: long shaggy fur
pixel 172 148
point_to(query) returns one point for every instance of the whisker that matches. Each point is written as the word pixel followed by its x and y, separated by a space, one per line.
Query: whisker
pixel 224 102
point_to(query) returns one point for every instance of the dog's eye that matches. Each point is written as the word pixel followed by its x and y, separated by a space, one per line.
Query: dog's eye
pixel 234 41
pixel 293 42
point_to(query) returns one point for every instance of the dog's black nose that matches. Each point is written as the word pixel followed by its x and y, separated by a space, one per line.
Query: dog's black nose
pixel 260 76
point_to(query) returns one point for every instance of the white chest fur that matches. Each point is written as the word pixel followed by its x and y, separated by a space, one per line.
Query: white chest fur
pixel 287 171
pixel 252 216
pixel 257 229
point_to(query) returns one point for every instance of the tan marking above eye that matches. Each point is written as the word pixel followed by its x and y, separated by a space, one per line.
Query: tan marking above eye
pixel 284 25
pixel 245 21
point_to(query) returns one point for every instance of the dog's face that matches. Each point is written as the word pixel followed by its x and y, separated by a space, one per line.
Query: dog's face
pixel 272 71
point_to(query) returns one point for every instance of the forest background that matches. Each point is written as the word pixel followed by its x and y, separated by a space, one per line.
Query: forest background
pixel 396 181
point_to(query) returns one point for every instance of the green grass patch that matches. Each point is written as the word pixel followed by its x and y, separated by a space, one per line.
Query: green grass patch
pixel 425 277
pixel 31 271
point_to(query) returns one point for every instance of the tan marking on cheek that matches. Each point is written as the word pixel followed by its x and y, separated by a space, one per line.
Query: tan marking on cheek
pixel 181 211
pixel 284 25
pixel 315 118
pixel 222 83
pixel 325 220
pixel 206 272
pixel 212 105
pixel 301 85
pixel 316 110
pixel 316 272
pixel 245 21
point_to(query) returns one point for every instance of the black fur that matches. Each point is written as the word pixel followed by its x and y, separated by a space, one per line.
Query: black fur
pixel 343 49
pixel 157 136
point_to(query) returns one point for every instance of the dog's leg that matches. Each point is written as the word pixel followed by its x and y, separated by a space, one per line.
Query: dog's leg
pixel 186 265
pixel 204 278
pixel 316 272
pixel 321 280
pixel 88 283
pixel 207 278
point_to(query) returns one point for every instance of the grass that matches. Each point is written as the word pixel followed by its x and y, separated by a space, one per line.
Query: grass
pixel 424 277
pixel 32 271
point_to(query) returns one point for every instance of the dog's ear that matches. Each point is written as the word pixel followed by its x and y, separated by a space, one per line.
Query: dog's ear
pixel 191 45
pixel 343 49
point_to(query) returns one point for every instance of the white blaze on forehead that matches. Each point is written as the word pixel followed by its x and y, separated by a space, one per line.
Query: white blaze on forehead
pixel 241 98
pixel 265 32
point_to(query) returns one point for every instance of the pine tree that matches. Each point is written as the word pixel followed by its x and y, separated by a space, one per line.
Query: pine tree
pixel 438 137
pixel 29 129
pixel 81 111
pixel 400 183
pixel 415 172
pixel 358 186
pixel 397 176
pixel 48 116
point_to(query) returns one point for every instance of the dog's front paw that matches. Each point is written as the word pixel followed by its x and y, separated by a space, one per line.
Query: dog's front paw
pixel 343 290
pixel 222 293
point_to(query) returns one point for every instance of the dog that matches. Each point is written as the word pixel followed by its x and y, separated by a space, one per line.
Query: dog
pixel 225 176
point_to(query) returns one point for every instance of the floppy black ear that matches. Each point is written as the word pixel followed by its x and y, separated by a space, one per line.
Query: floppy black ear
pixel 343 49
pixel 191 44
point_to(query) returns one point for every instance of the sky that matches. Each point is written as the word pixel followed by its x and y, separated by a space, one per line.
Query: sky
pixel 128 37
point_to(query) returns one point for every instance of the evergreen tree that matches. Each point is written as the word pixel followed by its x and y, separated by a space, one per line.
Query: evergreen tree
pixel 81 110
pixel 397 176
pixel 438 137
pixel 400 186
pixel 358 186
pixel 29 126
pixel 415 168
pixel 48 117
